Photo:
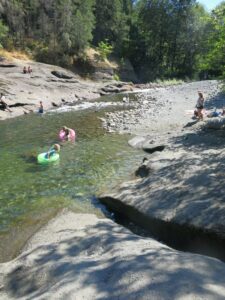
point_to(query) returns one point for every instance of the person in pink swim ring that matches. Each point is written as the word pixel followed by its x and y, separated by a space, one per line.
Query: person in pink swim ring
pixel 67 134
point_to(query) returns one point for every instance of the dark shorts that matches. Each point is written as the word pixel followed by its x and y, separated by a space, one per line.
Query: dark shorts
pixel 199 107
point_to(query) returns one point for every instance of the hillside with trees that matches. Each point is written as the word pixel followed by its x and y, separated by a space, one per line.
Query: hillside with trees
pixel 161 38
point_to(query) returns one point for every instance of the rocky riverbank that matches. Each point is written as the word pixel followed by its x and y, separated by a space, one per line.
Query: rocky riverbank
pixel 54 86
pixel 180 181
pixel 162 110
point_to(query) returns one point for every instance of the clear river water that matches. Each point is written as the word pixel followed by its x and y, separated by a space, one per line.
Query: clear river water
pixel 31 193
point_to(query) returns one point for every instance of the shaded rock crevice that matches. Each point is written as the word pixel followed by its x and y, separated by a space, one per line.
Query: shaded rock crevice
pixel 178 236
pixel 8 65
pixel 61 75
pixel 19 104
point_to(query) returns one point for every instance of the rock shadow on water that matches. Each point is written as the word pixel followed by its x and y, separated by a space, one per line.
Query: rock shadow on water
pixel 29 158
pixel 35 167
pixel 39 168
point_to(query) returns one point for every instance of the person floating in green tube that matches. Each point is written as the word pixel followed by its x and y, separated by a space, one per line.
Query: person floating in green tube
pixel 53 150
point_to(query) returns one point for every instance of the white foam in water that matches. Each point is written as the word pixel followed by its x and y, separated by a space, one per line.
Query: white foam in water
pixel 84 106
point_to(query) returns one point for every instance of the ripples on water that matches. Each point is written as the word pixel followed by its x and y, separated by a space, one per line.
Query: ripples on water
pixel 32 193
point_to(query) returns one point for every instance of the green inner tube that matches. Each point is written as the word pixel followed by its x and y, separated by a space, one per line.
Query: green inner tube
pixel 42 159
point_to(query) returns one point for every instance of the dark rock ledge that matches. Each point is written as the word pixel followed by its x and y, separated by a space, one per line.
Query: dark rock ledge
pixel 178 236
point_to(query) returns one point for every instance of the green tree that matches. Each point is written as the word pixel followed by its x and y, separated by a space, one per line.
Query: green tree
pixel 111 22
pixel 212 61
pixel 187 41
pixel 82 25
pixel 105 49
pixel 165 37
pixel 3 33
pixel 52 28
pixel 13 14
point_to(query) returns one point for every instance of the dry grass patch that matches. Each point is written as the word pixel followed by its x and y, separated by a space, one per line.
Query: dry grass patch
pixel 94 57
pixel 14 54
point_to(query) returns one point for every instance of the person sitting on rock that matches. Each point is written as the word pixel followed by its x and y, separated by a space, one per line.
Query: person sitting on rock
pixel 223 111
pixel 3 105
pixel 24 70
pixel 29 70
pixel 41 108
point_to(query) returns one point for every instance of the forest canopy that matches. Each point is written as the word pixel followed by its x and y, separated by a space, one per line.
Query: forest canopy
pixel 161 38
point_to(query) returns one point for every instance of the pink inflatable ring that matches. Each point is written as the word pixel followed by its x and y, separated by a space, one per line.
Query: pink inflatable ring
pixel 62 135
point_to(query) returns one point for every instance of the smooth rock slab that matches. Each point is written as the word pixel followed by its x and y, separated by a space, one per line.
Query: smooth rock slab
pixel 184 187
pixel 81 257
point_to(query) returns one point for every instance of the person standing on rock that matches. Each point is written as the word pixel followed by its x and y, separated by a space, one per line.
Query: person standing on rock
pixel 200 105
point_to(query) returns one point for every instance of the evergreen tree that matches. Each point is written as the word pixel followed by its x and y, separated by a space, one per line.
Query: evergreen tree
pixel 13 14
pixel 212 61
pixel 111 22
pixel 3 33
pixel 165 35
pixel 162 38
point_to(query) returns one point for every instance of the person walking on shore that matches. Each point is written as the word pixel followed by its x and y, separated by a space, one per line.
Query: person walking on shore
pixel 200 105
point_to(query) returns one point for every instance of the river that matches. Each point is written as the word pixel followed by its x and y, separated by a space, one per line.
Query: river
pixel 31 194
